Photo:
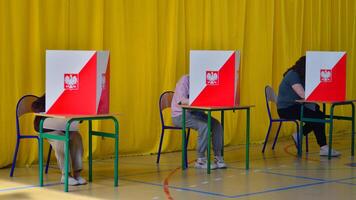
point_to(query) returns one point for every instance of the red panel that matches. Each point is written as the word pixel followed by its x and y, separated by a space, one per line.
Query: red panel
pixel 334 90
pixel 82 101
pixel 103 107
pixel 223 93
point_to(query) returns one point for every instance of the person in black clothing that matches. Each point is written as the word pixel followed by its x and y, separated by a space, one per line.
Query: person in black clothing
pixel 291 89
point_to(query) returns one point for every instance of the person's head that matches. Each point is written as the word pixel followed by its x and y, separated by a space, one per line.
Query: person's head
pixel 298 67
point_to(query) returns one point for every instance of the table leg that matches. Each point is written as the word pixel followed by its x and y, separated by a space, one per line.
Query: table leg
pixel 247 138
pixel 184 165
pixel 331 121
pixel 66 157
pixel 222 134
pixel 116 164
pixel 90 151
pixel 353 130
pixel 40 154
pixel 209 141
pixel 324 112
pixel 300 135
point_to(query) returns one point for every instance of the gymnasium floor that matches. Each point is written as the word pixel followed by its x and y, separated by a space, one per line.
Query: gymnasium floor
pixel 274 175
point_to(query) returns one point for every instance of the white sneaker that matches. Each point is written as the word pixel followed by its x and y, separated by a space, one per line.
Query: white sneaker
pixel 219 161
pixel 81 180
pixel 71 181
pixel 324 151
pixel 202 163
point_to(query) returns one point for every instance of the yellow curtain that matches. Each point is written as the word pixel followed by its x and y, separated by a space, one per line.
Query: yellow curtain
pixel 149 43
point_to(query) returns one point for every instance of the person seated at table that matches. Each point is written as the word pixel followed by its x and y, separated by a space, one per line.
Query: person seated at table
pixel 291 89
pixel 197 120
pixel 75 144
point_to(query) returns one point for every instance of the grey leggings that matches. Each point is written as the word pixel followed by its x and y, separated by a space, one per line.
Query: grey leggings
pixel 198 121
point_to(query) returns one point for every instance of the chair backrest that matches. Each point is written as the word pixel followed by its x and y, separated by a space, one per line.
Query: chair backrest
pixel 24 105
pixel 270 96
pixel 165 101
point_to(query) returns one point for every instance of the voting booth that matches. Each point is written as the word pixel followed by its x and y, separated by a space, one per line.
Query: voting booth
pixel 214 78
pixel 77 82
pixel 325 76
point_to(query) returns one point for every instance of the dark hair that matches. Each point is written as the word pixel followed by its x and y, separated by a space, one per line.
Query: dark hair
pixel 299 68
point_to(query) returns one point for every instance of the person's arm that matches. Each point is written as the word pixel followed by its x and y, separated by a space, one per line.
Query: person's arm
pixel 298 88
pixel 182 93
pixel 293 79
pixel 184 101
pixel 38 106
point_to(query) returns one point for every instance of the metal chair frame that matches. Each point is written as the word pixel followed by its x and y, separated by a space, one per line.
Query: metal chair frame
pixel 20 110
pixel 165 102
pixel 271 96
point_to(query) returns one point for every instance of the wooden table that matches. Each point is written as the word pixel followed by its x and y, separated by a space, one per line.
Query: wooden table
pixel 65 139
pixel 209 110
pixel 329 119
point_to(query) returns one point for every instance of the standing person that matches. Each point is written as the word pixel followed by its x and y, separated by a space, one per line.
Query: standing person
pixel 75 144
pixel 197 120
pixel 292 89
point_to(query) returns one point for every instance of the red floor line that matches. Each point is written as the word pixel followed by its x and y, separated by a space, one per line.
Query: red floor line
pixel 166 181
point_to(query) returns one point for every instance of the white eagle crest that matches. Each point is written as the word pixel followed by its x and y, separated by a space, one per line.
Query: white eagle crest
pixel 212 78
pixel 71 81
pixel 325 75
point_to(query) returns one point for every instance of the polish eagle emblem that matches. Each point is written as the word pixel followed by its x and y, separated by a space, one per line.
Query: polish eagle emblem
pixel 71 81
pixel 325 75
pixel 212 77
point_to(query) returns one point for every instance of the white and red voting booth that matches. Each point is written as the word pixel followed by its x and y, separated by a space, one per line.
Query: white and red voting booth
pixel 214 78
pixel 325 76
pixel 77 82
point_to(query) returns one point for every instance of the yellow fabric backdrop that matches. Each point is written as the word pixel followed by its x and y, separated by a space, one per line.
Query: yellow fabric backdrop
pixel 149 42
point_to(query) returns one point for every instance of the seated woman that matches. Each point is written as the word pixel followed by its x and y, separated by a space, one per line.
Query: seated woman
pixel 291 89
pixel 75 144
pixel 197 120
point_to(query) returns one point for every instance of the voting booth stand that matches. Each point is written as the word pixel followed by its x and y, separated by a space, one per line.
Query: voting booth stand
pixel 77 82
pixel 214 78
pixel 325 76
pixel 77 90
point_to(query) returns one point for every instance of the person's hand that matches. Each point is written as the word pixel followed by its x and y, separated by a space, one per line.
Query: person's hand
pixel 184 102
pixel 298 88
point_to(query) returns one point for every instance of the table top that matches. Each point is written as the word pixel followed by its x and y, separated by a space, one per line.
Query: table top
pixel 216 108
pixel 64 116
pixel 328 102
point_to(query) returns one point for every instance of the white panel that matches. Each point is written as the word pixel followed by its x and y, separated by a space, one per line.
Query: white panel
pixel 58 63
pixel 103 59
pixel 237 72
pixel 316 60
pixel 200 62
